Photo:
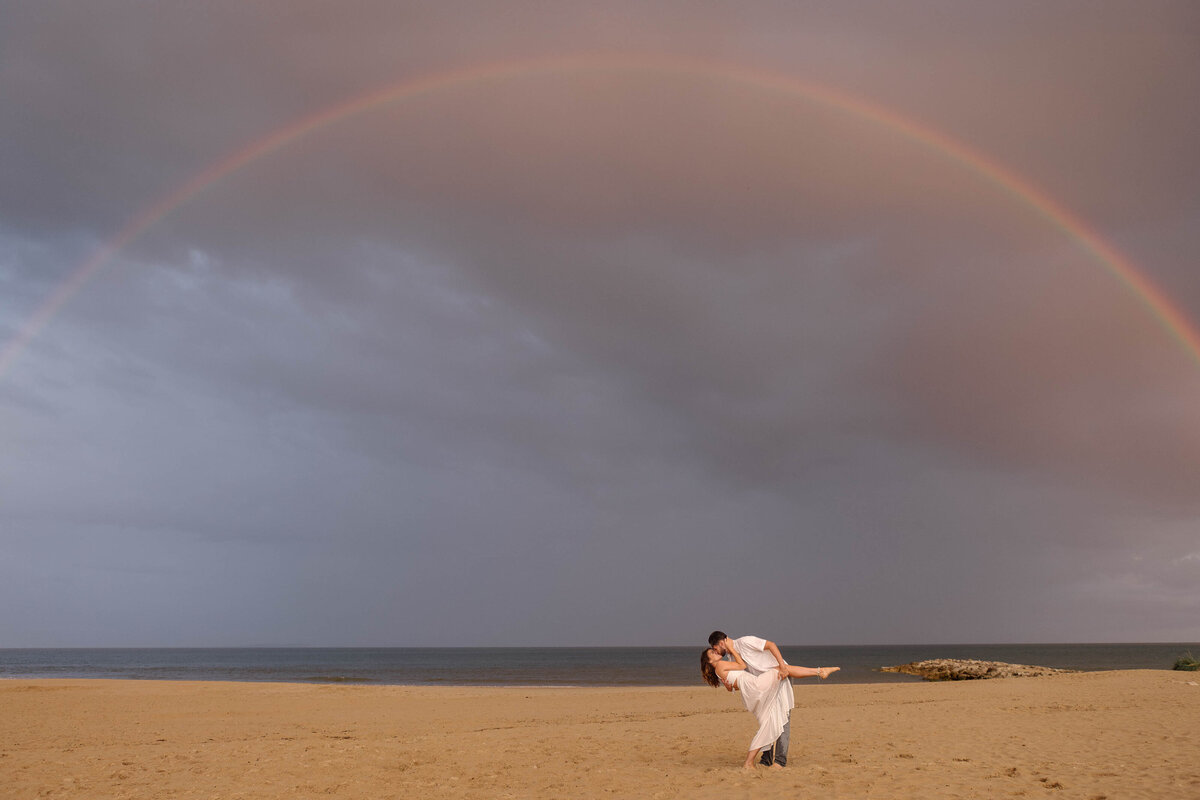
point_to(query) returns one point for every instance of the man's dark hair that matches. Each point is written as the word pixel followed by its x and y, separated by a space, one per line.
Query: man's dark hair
pixel 716 637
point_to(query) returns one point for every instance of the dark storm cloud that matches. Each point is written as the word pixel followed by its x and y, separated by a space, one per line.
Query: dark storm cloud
pixel 581 343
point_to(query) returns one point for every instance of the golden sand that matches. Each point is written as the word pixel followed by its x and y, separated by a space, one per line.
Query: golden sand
pixel 1114 735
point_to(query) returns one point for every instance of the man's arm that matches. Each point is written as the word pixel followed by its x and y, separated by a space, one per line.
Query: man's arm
pixel 770 647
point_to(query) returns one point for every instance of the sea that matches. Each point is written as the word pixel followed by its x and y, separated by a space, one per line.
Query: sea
pixel 538 666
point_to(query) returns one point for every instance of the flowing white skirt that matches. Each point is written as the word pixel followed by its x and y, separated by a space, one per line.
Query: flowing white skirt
pixel 769 699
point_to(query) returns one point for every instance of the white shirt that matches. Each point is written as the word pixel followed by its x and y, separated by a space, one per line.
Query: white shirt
pixel 753 651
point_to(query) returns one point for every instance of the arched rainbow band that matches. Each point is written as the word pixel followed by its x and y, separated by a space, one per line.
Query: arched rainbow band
pixel 1172 319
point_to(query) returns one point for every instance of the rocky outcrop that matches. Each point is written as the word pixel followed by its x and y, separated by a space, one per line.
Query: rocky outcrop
pixel 965 669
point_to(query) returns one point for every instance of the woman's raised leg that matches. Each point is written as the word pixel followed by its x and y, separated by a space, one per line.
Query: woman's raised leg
pixel 809 672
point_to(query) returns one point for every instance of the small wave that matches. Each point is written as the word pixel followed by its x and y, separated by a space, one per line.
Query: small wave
pixel 335 679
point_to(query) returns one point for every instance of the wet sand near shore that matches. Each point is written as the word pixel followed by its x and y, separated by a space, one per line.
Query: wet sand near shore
pixel 1130 734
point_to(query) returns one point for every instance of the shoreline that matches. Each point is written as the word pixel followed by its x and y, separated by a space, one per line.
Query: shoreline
pixel 1081 735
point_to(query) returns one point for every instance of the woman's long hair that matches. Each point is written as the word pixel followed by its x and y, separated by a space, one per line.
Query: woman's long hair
pixel 708 671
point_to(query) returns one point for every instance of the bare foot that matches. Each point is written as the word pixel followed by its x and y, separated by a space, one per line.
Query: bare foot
pixel 775 766
pixel 748 767
pixel 825 672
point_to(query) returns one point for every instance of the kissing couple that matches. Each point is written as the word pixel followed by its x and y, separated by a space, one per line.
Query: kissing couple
pixel 754 667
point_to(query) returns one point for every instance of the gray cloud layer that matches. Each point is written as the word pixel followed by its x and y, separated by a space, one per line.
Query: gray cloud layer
pixel 597 356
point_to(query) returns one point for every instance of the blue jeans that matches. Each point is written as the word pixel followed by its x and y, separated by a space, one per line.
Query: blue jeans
pixel 777 753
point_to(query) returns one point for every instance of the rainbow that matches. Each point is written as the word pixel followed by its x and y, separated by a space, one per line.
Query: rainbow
pixel 1169 316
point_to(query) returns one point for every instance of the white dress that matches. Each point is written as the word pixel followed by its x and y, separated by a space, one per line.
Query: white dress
pixel 765 697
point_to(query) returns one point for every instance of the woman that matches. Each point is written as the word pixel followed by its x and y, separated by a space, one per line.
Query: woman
pixel 762 694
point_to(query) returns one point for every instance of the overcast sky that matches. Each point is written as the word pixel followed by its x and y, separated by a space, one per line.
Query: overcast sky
pixel 588 355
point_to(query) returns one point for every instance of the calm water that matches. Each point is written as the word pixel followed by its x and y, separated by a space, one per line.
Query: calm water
pixel 554 666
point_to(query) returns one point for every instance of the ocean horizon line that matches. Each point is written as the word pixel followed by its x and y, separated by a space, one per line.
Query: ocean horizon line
pixel 593 665
pixel 1101 643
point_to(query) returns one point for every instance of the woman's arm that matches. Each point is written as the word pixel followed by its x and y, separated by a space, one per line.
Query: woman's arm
pixel 731 649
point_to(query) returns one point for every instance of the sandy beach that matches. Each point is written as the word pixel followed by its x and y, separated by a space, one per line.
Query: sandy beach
pixel 1094 735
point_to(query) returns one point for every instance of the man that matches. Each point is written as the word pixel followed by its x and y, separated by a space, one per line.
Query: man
pixel 762 656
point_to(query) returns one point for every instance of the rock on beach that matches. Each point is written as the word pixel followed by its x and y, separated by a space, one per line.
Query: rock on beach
pixel 966 669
